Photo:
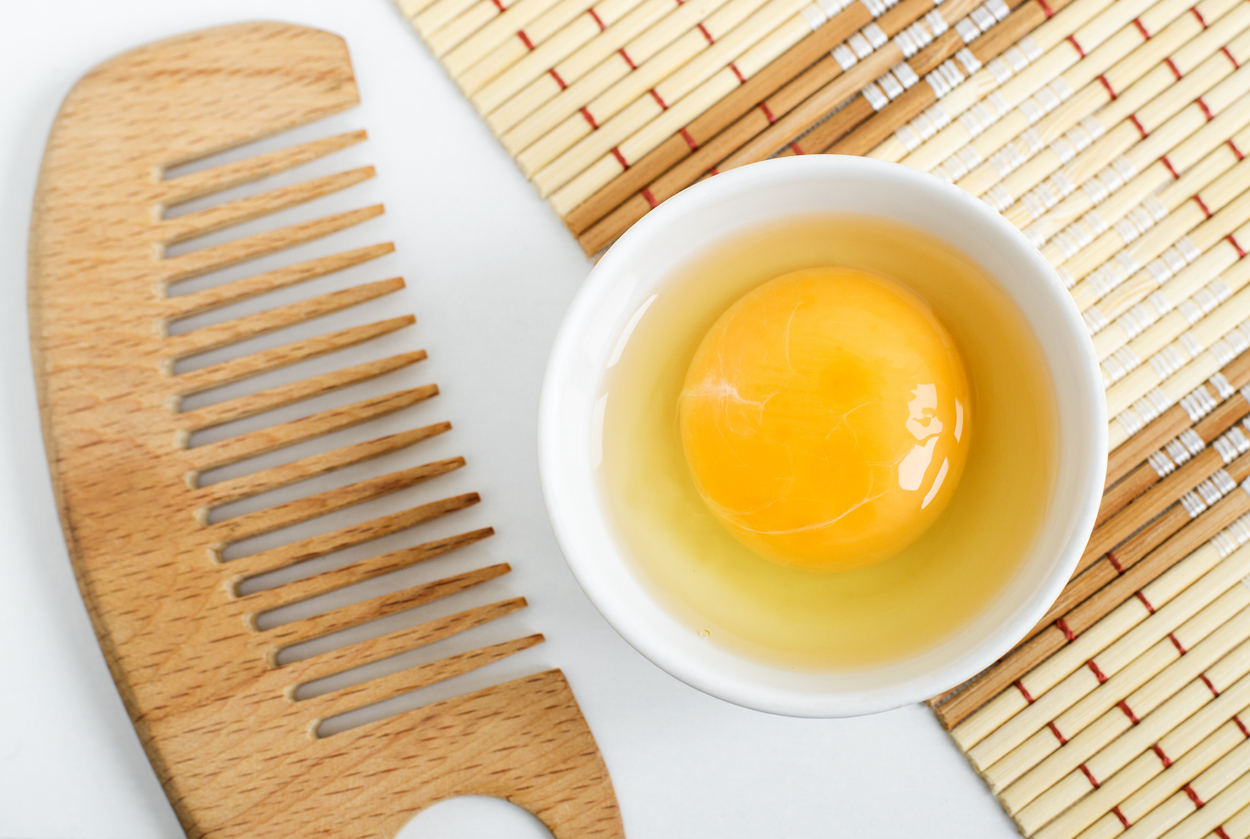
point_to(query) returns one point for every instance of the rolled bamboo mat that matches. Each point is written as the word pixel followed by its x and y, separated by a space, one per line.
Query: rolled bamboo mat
pixel 1114 136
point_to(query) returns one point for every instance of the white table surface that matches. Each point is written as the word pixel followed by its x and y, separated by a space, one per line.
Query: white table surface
pixel 491 270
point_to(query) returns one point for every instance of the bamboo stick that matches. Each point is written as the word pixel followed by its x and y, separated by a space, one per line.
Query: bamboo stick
pixel 1013 140
pixel 575 49
pixel 537 18
pixel 1184 122
pixel 1162 787
pixel 1033 677
pixel 683 89
pixel 1146 198
pixel 1155 101
pixel 410 8
pixel 1106 567
pixel 1099 719
pixel 519 41
pixel 483 18
pixel 618 81
pixel 594 67
pixel 1101 600
pixel 1218 585
pixel 820 79
pixel 1096 569
pixel 1164 121
pixel 1226 767
pixel 1218 793
pixel 1190 747
pixel 1235 827
pixel 1189 701
pixel 797 61
pixel 443 12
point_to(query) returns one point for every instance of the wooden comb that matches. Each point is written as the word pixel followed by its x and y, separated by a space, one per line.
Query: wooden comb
pixel 235 744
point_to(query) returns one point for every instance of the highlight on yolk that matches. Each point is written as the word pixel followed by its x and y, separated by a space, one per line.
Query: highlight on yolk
pixel 825 418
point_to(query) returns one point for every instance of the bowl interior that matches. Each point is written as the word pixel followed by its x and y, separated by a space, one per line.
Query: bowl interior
pixel 645 258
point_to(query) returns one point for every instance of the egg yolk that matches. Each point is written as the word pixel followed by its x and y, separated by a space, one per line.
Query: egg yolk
pixel 825 418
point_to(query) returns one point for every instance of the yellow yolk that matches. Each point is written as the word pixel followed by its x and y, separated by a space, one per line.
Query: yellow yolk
pixel 825 418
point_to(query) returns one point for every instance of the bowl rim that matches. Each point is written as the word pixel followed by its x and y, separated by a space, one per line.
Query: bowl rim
pixel 779 700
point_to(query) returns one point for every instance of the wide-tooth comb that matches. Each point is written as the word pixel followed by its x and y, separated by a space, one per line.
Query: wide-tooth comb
pixel 230 723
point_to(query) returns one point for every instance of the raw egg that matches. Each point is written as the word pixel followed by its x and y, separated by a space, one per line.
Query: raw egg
pixel 825 418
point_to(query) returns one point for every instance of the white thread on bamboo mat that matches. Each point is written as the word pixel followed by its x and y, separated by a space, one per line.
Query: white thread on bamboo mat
pixel 1162 398
pixel 1144 135
pixel 1174 325
pixel 1098 90
pixel 1141 316
pixel 1040 120
pixel 1156 190
pixel 1000 86
pixel 1172 261
pixel 1180 228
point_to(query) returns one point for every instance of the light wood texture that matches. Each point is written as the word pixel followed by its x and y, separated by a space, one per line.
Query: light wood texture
pixel 232 738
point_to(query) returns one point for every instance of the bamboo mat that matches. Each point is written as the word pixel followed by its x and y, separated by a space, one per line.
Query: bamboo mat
pixel 1112 134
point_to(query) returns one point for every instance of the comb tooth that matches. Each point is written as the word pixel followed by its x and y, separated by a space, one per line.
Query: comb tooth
pixel 249 287
pixel 212 219
pixel 358 572
pixel 250 326
pixel 199 184
pixel 333 662
pixel 285 556
pixel 309 629
pixel 207 260
pixel 415 678
pixel 228 372
pixel 277 397
pixel 246 486
pixel 239 448
pixel 293 512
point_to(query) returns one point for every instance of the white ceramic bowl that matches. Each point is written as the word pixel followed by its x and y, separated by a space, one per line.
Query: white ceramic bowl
pixel 643 260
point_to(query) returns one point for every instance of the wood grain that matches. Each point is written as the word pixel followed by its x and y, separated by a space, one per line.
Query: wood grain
pixel 231 737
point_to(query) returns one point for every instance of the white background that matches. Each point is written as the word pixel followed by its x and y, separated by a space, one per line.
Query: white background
pixel 490 271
